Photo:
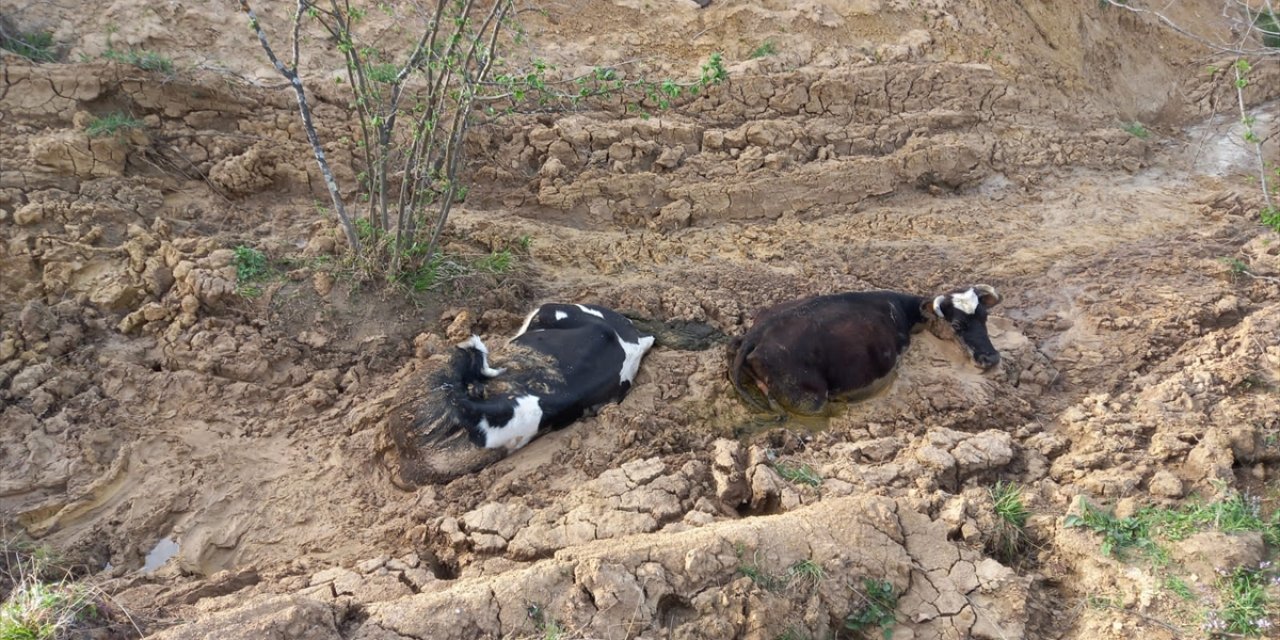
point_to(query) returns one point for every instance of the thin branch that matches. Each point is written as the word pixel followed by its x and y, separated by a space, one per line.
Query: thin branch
pixel 1168 22
pixel 1249 136
pixel 295 81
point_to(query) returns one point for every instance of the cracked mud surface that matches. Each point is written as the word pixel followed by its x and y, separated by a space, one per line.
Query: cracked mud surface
pixel 931 144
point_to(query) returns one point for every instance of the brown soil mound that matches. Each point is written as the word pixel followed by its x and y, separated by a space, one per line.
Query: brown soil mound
pixel 146 400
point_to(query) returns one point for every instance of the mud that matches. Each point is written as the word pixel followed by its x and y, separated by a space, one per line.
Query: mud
pixel 148 403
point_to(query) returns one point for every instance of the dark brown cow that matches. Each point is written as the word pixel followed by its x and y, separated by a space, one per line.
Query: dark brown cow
pixel 804 353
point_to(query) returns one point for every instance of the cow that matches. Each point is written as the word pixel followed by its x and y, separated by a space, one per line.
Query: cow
pixel 843 347
pixel 566 361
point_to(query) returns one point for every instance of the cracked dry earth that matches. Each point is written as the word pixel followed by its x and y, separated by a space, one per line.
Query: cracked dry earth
pixel 146 404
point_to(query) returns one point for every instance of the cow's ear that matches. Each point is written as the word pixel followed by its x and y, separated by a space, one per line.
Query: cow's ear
pixel 987 294
pixel 934 307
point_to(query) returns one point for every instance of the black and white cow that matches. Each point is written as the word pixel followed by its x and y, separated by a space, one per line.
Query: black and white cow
pixel 804 353
pixel 566 362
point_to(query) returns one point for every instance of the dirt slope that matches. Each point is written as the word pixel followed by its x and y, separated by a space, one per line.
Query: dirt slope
pixel 146 403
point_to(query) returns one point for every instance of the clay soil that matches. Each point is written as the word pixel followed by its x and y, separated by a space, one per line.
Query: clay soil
pixel 224 462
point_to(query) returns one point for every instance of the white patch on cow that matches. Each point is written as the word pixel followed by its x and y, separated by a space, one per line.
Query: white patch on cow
pixel 560 315
pixel 525 327
pixel 634 352
pixel 966 302
pixel 518 431
pixel 586 309
pixel 937 306
pixel 474 342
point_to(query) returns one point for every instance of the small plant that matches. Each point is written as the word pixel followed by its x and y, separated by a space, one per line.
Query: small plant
pixel 145 60
pixel 879 601
pixel 793 633
pixel 798 474
pixel 36 46
pixel 442 269
pixel 1179 587
pixel 251 268
pixel 111 124
pixel 42 602
pixel 1099 603
pixel 1137 130
pixel 762 577
pixel 765 49
pixel 806 571
pixel 1118 534
pixel 545 624
pixel 1245 607
pixel 1271 217
pixel 498 262
pixel 1237 266
pixel 1269 28
pixel 1011 513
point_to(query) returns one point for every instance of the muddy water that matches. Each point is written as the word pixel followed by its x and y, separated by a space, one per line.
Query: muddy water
pixel 166 548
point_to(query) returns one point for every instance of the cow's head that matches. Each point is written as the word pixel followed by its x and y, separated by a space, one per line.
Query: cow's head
pixel 961 315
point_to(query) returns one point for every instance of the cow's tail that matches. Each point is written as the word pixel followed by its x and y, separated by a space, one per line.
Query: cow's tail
pixel 456 389
pixel 739 349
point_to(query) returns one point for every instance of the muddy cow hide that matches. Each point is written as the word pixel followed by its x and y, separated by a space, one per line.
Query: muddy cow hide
pixel 805 353
pixel 566 362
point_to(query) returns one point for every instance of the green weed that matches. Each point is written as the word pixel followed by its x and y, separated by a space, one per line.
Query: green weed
pixel 1245 606
pixel 1237 266
pixel 879 601
pixel 762 577
pixel 42 601
pixel 545 624
pixel 251 268
pixel 36 46
pixel 145 60
pixel 793 633
pixel 1179 587
pixel 111 124
pixel 765 49
pixel 1269 27
pixel 498 262
pixel 1118 534
pixel 1234 514
pixel 1098 602
pixel 806 571
pixel 798 474
pixel 1137 130
pixel 442 269
pixel 1011 513
pixel 1271 217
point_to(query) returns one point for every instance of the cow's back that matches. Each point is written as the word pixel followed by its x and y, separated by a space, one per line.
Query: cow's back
pixel 836 344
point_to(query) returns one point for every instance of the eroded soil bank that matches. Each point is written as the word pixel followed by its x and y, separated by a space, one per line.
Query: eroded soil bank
pixel 147 401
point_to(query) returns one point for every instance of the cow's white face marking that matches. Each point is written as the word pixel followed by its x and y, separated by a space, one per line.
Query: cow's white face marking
pixel 586 309
pixel 476 343
pixel 525 327
pixel 633 351
pixel 519 430
pixel 560 315
pixel 966 302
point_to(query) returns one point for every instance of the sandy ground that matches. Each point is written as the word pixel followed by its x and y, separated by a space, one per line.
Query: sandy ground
pixel 228 465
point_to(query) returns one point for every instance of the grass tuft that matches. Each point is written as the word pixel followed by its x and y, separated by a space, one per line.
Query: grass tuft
pixel 36 46
pixel 766 48
pixel 112 124
pixel 806 571
pixel 1011 521
pixel 1244 604
pixel 879 601
pixel 1137 130
pixel 145 60
pixel 42 600
pixel 251 269
pixel 798 474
